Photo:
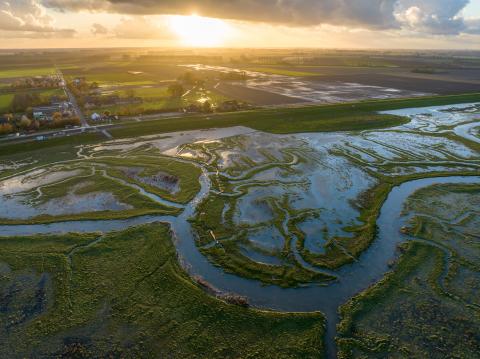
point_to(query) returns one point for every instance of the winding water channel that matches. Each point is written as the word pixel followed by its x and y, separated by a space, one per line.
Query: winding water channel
pixel 370 267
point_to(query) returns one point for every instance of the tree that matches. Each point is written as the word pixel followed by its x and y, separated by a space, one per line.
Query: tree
pixel 57 119
pixel 207 107
pixel 75 121
pixel 6 128
pixel 25 122
pixel 175 90
pixel 36 125
pixel 21 101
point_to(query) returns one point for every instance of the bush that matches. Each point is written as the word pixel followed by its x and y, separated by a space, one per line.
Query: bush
pixel 6 128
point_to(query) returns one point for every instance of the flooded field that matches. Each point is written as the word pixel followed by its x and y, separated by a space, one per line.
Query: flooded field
pixel 301 88
pixel 298 222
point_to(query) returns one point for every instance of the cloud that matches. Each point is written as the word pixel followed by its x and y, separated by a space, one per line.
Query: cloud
pixel 439 17
pixel 27 18
pixel 428 16
pixel 473 26
pixel 99 29
pixel 59 34
pixel 371 13
pixel 139 27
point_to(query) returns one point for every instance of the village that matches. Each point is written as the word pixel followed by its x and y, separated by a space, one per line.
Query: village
pixel 36 103
pixel 70 98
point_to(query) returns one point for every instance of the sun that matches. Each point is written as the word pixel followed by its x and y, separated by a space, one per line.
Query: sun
pixel 198 31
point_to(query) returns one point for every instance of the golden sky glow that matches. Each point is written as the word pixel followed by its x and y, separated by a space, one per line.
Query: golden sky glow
pixel 198 31
pixel 415 24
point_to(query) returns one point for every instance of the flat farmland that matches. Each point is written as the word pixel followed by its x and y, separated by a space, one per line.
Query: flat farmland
pixel 442 81
pixel 25 72
pixel 125 73
pixel 258 97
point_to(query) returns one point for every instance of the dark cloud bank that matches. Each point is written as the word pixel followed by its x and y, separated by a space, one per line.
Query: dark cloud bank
pixel 429 16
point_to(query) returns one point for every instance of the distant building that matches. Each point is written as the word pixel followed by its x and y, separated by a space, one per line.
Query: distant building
pixel 78 81
pixel 96 117
pixel 64 106
pixel 45 113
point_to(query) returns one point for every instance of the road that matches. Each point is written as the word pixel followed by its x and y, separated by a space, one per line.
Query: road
pixel 45 135
pixel 76 108
pixel 154 116
pixel 73 100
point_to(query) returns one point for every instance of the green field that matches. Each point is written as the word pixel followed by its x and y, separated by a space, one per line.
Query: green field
pixel 139 83
pixel 52 92
pixel 146 92
pixel 123 78
pixel 326 118
pixel 21 72
pixel 158 105
pixel 157 99
pixel 5 102
pixel 124 295
pixel 43 152
pixel 45 95
pixel 118 73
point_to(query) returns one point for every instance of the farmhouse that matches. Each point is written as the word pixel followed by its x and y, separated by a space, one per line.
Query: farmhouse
pixel 45 113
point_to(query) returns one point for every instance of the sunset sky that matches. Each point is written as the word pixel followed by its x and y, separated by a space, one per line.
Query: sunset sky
pixel 421 24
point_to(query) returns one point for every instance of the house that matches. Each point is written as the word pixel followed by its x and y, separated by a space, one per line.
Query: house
pixel 64 106
pixel 78 81
pixel 45 113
